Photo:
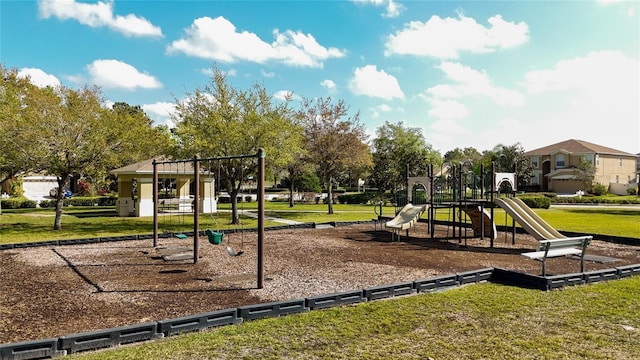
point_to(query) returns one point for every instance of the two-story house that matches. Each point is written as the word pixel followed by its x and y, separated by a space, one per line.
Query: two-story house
pixel 555 166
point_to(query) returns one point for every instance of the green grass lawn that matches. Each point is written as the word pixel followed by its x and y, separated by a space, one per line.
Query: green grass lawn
pixel 27 225
pixel 484 321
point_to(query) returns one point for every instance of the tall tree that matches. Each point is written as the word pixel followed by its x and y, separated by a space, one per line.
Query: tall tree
pixel 75 135
pixel 461 155
pixel 395 148
pixel 585 173
pixel 510 159
pixel 221 120
pixel 16 144
pixel 334 139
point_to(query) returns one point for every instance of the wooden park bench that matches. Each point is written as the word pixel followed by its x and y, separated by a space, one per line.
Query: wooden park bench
pixel 560 247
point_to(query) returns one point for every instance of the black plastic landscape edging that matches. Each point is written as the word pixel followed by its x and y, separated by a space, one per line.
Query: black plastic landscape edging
pixel 99 339
pixel 272 309
pixel 336 299
pixel 67 344
pixel 199 321
pixel 36 349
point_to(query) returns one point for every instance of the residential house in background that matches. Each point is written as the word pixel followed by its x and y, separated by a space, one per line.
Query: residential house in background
pixel 554 167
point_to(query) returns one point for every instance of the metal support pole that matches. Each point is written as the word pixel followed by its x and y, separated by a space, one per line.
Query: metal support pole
pixel 155 203
pixel 261 159
pixel 196 208
pixel 493 182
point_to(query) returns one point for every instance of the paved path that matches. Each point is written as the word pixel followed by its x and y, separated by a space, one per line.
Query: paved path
pixel 270 218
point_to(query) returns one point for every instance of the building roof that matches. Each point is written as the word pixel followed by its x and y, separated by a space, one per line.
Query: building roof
pixel 577 146
pixel 146 167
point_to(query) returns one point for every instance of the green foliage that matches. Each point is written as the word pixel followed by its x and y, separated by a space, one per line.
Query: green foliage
pixel 585 173
pixel 335 140
pixel 396 147
pixel 509 159
pixel 537 202
pixel 358 198
pixel 18 203
pixel 221 120
pixel 599 189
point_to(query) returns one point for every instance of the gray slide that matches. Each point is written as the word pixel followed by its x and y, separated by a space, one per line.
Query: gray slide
pixel 528 219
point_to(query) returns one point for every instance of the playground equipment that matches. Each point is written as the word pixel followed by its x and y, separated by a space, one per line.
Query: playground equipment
pixel 199 202
pixel 468 197
pixel 406 218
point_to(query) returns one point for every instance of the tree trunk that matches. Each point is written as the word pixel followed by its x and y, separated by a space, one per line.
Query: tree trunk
pixel 330 195
pixel 291 193
pixel 62 181
pixel 235 217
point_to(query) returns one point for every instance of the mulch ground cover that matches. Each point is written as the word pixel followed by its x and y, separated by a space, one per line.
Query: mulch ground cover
pixel 59 290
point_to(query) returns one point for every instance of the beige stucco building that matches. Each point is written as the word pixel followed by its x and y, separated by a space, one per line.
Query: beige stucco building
pixel 135 188
pixel 554 167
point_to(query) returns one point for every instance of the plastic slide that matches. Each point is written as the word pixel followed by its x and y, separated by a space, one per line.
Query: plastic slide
pixel 550 229
pixel 534 225
pixel 407 216
pixel 476 222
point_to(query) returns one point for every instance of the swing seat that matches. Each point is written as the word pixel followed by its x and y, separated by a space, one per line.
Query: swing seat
pixel 232 252
pixel 215 238
pixel 181 236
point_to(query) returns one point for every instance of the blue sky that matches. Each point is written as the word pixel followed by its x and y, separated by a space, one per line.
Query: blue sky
pixel 468 73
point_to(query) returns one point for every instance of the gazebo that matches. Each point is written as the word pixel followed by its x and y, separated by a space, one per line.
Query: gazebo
pixel 135 187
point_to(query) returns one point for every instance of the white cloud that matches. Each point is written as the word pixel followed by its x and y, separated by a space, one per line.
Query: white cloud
pixel 392 9
pixel 96 15
pixel 592 97
pixel 447 38
pixel 329 85
pixel 217 39
pixel 467 81
pixel 160 112
pixel 39 77
pixel 371 82
pixel 267 74
pixel 117 74
pixel 377 110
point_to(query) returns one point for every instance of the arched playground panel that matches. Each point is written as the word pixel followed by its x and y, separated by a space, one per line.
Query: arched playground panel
pixel 204 197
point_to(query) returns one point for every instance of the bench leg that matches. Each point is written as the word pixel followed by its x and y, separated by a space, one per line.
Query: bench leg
pixel 544 267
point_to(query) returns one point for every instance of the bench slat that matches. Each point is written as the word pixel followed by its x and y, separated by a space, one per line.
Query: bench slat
pixel 553 253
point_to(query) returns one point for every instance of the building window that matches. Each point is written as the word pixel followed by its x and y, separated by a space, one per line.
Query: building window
pixel 534 162
pixel 617 179
pixel 597 159
pixel 559 161
pixel 589 158
pixel 620 160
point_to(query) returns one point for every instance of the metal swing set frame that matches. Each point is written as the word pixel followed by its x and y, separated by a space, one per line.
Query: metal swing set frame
pixel 196 161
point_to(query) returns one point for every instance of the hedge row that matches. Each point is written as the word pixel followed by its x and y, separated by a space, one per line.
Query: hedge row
pixel 83 201
pixel 22 203
pixel 536 202
pixel 359 198
pixel 18 203
pixel 594 200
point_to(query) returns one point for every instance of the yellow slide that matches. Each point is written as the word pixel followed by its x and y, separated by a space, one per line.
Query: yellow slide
pixel 528 219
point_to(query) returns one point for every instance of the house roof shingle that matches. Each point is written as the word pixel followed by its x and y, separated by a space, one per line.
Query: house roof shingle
pixel 576 146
